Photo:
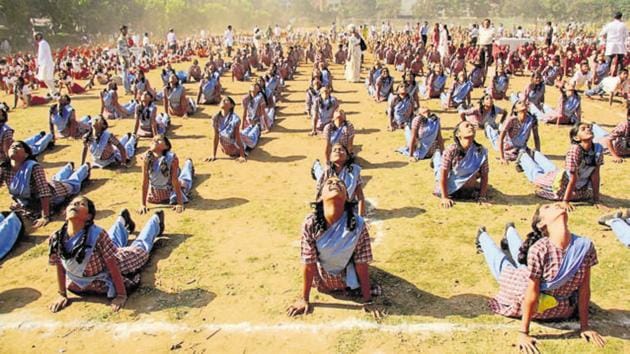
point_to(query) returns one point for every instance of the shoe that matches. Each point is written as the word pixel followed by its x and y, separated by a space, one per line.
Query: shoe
pixel 129 224
pixel 87 178
pixel 71 164
pixel 517 164
pixel 608 217
pixel 481 230
pixel 42 133
pixel 313 169
pixel 160 215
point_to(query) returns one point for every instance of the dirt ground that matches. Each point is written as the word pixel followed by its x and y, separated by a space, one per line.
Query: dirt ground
pixel 226 269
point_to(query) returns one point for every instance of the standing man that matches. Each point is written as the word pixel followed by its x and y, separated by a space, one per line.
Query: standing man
pixel 548 34
pixel 124 54
pixel 45 64
pixel 228 40
pixel 424 31
pixel 486 37
pixel 616 35
pixel 171 40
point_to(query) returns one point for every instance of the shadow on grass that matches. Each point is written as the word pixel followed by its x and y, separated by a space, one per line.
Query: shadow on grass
pixel 217 204
pixel 403 298
pixel 365 164
pixel 14 299
pixel 263 156
pixel 397 213
pixel 608 322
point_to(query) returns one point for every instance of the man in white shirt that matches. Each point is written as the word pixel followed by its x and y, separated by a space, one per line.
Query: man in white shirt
pixel 228 40
pixel 45 64
pixel 171 40
pixel 486 37
pixel 277 32
pixel 616 34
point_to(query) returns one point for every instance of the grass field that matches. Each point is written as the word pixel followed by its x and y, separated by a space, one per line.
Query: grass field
pixel 227 267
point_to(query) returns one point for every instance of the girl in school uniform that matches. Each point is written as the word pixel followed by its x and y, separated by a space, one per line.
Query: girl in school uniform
pixel 340 163
pixel 312 93
pixel 423 136
pixel 339 131
pixel 569 109
pixel 162 179
pixel 500 84
pixel 545 277
pixel 515 133
pixel 462 170
pixel 105 148
pixel 435 83
pixel 90 260
pixel 324 108
pixel 400 109
pixel 140 85
pixel 24 94
pixel 226 125
pixel 255 120
pixel 484 114
pixel 459 94
pixel 32 193
pixel 148 122
pixel 110 106
pixel 383 86
pixel 618 141
pixel 335 250
pixel 209 88
pixel 176 103
pixel 579 180
pixel 63 121
pixel 38 142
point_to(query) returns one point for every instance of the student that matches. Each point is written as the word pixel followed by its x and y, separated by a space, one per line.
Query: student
pixel 338 131
pixel 545 277
pixel 515 134
pixel 90 260
pixel 175 101
pixel 110 106
pixel 435 83
pixel 162 179
pixel 140 85
pixel 105 148
pixel 569 108
pixel 618 222
pixel 29 188
pixel 340 163
pixel 583 77
pixel 618 141
pixel 335 249
pixel 22 92
pixel 209 88
pixel 579 180
pixel 63 120
pixel 612 85
pixel 400 109
pixel 534 93
pixel 312 93
pixel 553 72
pixel 383 86
pixel 148 122
pixel 459 168
pixel 500 84
pixel 423 136
pixel 38 142
pixel 459 94
pixel 226 125
pixel 255 120
pixel 324 108
pixel 484 114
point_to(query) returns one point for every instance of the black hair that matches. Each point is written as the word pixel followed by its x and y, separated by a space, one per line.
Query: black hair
pixel 4 112
pixel 77 252
pixel 493 109
pixel 574 131
pixel 532 237
pixel 460 149
pixel 618 15
pixel 320 220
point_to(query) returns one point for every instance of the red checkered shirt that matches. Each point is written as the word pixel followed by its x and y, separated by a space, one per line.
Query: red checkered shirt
pixel 129 259
pixel 160 195
pixel 40 188
pixel 347 132
pixel 512 127
pixel 545 183
pixel 419 123
pixel 110 148
pixel 543 263
pixel 450 159
pixel 309 254
pixel 620 137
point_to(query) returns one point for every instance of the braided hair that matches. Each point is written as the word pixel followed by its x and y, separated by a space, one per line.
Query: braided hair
pixel 320 220
pixel 532 237
pixel 77 252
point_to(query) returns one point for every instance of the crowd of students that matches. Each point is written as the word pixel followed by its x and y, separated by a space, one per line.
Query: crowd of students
pixel 547 276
